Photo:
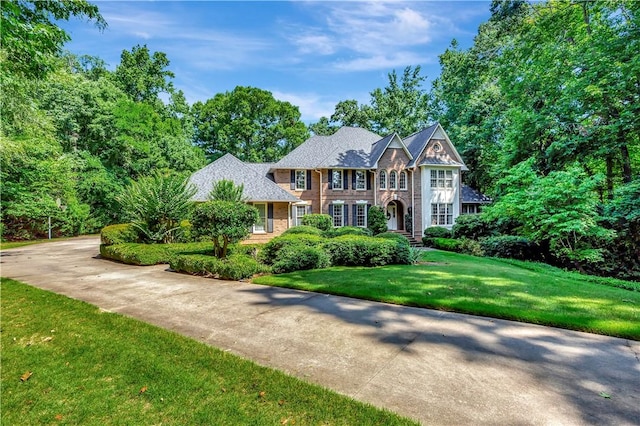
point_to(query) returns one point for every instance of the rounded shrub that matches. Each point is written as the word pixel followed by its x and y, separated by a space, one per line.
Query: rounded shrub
pixel 472 226
pixel 269 252
pixel 437 232
pixel 377 220
pixel 510 247
pixel 355 250
pixel 233 267
pixel 347 230
pixel 401 239
pixel 119 233
pixel 448 244
pixel 303 229
pixel 324 222
pixel 300 257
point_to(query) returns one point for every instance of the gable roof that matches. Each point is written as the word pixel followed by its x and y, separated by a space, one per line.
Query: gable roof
pixel 257 186
pixel 348 148
pixel 418 142
pixel 472 196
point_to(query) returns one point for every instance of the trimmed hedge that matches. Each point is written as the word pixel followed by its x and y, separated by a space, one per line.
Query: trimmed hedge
pixel 472 226
pixel 119 233
pixel 269 253
pixel 303 229
pixel 510 247
pixel 324 222
pixel 354 250
pixel 401 239
pixel 151 254
pixel 234 267
pixel 300 257
pixel 437 232
pixel 347 230
pixel 448 244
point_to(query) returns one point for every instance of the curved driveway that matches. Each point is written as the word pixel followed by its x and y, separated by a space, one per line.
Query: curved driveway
pixel 435 367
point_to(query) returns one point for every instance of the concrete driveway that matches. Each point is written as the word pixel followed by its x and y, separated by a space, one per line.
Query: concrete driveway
pixel 435 367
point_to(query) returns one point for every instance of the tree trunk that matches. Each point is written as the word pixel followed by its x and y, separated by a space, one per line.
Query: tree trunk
pixel 626 163
pixel 609 161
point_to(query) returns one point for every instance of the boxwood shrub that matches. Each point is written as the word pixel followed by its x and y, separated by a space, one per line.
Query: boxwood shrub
pixel 355 250
pixel 347 230
pixel 303 229
pixel 269 253
pixel 300 257
pixel 234 267
pixel 137 254
pixel 119 233
pixel 323 222
pixel 448 244
pixel 510 247
pixel 401 239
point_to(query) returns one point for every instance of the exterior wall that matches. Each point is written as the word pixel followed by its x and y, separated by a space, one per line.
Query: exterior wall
pixel 394 159
pixel 445 153
pixel 439 195
pixel 280 224
pixel 418 214
pixel 311 196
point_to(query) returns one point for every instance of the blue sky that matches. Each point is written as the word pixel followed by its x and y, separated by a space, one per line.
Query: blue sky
pixel 312 54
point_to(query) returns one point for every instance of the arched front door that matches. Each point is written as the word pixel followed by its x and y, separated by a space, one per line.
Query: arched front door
pixel 392 216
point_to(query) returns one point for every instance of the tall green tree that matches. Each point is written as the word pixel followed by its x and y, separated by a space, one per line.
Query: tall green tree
pixel 249 123
pixel 142 75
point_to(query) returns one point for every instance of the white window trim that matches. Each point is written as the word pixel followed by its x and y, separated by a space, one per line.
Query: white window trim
pixel 304 180
pixel 341 172
pixel 364 180
pixel 448 211
pixel 442 180
pixel 339 204
pixel 393 187
pixel 362 204
pixel 383 173
pixel 402 173
pixel 264 223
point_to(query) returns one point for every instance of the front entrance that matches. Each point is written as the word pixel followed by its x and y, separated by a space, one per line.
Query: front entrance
pixel 392 216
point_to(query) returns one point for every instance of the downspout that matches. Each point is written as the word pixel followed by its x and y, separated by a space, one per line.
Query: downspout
pixel 375 188
pixel 413 203
pixel 320 184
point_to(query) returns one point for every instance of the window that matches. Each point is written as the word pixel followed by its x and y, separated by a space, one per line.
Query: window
pixel 393 180
pixel 441 179
pixel 361 180
pixel 441 214
pixel 301 180
pixel 338 215
pixel 336 179
pixel 470 209
pixel 298 212
pixel 403 181
pixel 259 226
pixel 383 179
pixel 361 215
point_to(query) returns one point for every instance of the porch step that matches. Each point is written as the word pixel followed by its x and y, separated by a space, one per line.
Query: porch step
pixel 412 241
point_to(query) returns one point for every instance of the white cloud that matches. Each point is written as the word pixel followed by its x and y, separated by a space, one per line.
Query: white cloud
pixel 312 105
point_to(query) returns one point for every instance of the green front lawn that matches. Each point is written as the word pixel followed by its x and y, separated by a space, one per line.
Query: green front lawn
pixel 489 287
pixel 95 368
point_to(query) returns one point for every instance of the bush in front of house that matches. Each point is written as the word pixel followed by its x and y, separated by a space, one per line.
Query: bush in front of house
pixel 376 220
pixel 346 230
pixel 269 253
pixel 447 244
pixel 473 226
pixel 118 233
pixel 150 254
pixel 300 257
pixel 324 222
pixel 433 232
pixel 303 229
pixel 355 250
pixel 510 247
pixel 401 239
pixel 233 267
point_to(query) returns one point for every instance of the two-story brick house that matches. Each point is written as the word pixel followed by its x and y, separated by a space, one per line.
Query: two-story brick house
pixel 416 180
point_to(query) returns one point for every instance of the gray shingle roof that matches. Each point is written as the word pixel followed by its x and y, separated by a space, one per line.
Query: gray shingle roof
pixel 417 142
pixel 257 186
pixel 472 196
pixel 349 148
pixel 439 161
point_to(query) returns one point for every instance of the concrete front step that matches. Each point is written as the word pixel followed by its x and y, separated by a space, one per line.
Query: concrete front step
pixel 412 241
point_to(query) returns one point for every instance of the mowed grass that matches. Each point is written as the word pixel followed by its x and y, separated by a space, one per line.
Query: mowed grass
pixel 95 368
pixel 488 287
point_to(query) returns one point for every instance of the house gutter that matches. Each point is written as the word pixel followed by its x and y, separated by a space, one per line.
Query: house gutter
pixel 320 184
pixel 375 187
pixel 413 203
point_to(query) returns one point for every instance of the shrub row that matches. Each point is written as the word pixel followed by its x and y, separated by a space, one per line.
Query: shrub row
pixel 150 254
pixel 234 267
pixel 510 247
pixel 119 233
